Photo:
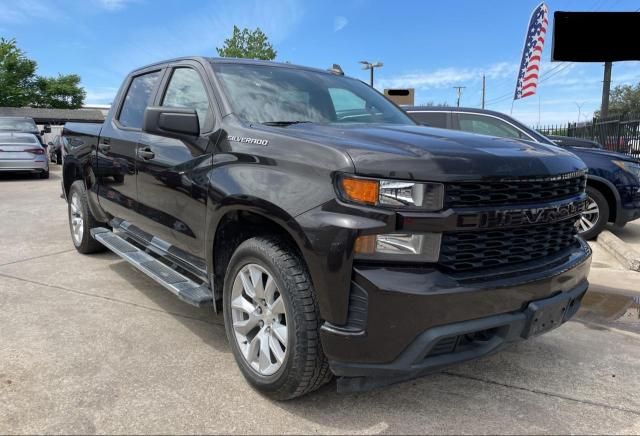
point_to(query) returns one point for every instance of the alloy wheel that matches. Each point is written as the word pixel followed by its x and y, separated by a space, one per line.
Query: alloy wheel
pixel 259 318
pixel 77 220
pixel 589 218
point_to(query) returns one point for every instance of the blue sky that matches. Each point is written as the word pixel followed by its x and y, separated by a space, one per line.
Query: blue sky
pixel 429 45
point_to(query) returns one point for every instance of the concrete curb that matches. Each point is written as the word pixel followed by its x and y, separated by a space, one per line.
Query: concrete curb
pixel 619 249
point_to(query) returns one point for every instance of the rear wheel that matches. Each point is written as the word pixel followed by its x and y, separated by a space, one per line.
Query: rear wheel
pixel 81 221
pixel 595 216
pixel 272 320
pixel 44 174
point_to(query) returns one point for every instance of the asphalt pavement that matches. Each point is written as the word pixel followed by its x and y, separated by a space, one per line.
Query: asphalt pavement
pixel 89 345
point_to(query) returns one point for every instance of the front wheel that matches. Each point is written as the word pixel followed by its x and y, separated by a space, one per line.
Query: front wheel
pixel 595 216
pixel 272 319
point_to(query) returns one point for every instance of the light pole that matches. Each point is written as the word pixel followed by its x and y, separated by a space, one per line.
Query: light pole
pixel 366 65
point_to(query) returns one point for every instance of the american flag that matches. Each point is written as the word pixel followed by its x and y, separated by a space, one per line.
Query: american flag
pixel 533 43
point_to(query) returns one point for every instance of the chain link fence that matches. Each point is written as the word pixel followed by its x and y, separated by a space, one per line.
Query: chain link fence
pixel 621 134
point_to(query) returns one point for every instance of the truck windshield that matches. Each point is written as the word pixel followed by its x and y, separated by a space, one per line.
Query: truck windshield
pixel 282 96
pixel 18 125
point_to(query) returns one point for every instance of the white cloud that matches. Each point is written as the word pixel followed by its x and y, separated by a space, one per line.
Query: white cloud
pixel 100 95
pixel 23 11
pixel 445 77
pixel 113 5
pixel 339 23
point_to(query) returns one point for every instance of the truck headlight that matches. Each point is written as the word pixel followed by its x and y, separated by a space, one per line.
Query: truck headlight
pixel 416 247
pixel 630 167
pixel 397 194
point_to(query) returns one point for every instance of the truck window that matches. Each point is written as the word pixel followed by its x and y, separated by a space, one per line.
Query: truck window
pixel 137 99
pixel 187 90
pixel 266 94
pixel 345 100
pixel 433 119
pixel 487 126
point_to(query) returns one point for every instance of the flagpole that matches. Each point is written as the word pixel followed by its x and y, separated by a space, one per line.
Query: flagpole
pixel 512 103
pixel 539 105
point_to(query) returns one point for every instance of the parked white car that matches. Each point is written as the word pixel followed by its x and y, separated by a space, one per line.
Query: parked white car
pixel 22 152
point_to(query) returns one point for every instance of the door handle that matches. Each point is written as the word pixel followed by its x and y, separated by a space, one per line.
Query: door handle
pixel 146 154
pixel 103 147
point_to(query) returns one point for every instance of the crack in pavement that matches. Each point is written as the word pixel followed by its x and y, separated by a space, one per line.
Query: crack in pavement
pixel 110 299
pixel 13 262
pixel 537 391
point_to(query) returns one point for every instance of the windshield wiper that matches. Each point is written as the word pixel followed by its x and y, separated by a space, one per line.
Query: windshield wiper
pixel 284 123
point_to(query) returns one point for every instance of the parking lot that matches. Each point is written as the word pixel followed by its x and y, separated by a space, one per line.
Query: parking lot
pixel 89 345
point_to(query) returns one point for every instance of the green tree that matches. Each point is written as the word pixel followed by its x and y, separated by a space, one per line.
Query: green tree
pixel 625 99
pixel 62 92
pixel 20 86
pixel 17 74
pixel 247 44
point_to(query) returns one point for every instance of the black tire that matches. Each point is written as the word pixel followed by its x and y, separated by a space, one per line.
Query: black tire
pixel 86 244
pixel 44 174
pixel 603 213
pixel 305 367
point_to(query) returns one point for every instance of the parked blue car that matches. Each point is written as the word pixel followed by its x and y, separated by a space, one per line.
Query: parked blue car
pixel 613 183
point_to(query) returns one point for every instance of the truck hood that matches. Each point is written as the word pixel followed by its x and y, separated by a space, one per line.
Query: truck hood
pixel 425 153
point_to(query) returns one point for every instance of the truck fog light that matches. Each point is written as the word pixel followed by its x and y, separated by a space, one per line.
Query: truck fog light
pixel 412 247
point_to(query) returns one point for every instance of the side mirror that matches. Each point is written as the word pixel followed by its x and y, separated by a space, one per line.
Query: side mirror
pixel 171 121
pixel 47 129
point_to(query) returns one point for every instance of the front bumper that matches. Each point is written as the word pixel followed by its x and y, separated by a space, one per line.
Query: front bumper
pixel 403 319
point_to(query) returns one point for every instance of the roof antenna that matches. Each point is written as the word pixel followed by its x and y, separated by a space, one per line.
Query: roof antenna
pixel 336 69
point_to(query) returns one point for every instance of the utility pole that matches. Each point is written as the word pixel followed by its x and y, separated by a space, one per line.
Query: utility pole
pixel 484 89
pixel 459 92
pixel 366 65
pixel 606 87
pixel 579 109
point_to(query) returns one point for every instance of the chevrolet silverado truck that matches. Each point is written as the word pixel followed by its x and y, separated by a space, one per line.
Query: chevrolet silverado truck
pixel 336 236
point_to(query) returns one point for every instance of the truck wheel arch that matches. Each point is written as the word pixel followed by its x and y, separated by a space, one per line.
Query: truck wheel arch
pixel 237 224
pixel 71 172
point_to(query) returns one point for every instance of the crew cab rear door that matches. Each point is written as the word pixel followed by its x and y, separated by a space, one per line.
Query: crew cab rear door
pixel 172 171
pixel 115 163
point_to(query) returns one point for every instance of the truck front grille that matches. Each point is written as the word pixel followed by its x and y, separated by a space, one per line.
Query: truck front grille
pixel 466 251
pixel 500 193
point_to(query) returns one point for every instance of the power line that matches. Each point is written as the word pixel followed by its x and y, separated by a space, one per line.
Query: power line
pixel 543 78
pixel 549 74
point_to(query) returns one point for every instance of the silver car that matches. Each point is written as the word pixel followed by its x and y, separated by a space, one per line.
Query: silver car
pixel 22 152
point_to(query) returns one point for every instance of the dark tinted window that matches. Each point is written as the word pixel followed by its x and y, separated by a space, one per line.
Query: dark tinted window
pixel 432 119
pixel 486 125
pixel 137 99
pixel 187 90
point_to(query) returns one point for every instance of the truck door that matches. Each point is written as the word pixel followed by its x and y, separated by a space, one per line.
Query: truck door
pixel 115 165
pixel 172 173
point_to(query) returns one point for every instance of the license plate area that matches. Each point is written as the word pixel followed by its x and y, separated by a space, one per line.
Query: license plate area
pixel 545 315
